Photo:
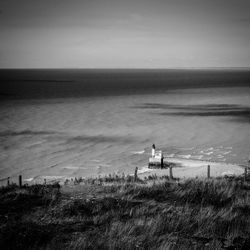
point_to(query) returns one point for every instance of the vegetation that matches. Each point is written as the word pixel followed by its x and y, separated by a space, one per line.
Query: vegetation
pixel 117 213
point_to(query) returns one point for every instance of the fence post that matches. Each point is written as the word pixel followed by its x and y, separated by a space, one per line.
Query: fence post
pixel 208 171
pixel 170 172
pixel 20 180
pixel 245 175
pixel 8 181
pixel 135 176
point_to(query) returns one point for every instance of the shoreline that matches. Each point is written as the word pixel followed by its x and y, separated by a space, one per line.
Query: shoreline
pixel 185 168
pixel 192 168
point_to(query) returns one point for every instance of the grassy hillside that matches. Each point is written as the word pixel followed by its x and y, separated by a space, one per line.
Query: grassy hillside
pixel 115 213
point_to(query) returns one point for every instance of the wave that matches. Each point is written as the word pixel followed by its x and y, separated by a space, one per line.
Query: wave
pixel 208 153
pixel 144 170
pixel 225 153
pixel 170 155
pixel 94 160
pixel 220 156
pixel 51 177
pixel 29 179
pixel 197 157
pixel 221 159
pixel 185 156
pixel 138 152
pixel 26 132
pixel 185 149
pixel 73 167
pixel 211 148
pixel 104 165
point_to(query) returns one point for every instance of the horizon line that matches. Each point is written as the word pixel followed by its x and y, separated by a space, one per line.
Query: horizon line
pixel 134 68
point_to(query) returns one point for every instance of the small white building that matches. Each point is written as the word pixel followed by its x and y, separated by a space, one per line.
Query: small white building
pixel 156 159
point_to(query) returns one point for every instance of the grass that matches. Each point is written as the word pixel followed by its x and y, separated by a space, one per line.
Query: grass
pixel 118 213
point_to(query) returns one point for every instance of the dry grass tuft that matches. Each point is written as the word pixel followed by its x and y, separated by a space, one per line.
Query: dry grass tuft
pixel 118 213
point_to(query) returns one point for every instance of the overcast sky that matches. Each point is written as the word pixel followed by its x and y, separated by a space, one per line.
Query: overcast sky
pixel 124 33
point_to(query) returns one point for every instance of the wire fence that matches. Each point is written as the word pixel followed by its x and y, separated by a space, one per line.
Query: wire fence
pixel 11 180
pixel 18 180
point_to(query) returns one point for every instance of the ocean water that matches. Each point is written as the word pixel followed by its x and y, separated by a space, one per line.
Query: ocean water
pixel 72 123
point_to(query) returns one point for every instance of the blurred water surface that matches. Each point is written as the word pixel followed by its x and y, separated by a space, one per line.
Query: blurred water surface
pixel 83 122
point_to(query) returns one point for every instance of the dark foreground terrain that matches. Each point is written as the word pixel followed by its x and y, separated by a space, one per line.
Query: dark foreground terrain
pixel 115 213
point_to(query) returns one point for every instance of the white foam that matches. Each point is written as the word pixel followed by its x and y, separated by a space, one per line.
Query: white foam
pixel 210 149
pixel 29 179
pixel 105 165
pixel 52 177
pixel 144 170
pixel 221 159
pixel 185 156
pixel 198 157
pixel 138 152
pixel 207 158
pixel 95 160
pixel 225 153
pixel 183 148
pixel 73 167
pixel 209 153
pixel 170 155
pixel 220 156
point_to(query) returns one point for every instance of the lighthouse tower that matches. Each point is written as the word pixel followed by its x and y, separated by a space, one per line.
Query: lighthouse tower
pixel 156 159
pixel 153 150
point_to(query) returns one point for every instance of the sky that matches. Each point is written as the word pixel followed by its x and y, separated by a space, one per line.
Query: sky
pixel 124 33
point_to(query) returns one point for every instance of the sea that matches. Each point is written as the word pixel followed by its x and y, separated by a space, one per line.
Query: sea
pixel 66 123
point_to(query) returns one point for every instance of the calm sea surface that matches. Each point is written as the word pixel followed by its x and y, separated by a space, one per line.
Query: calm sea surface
pixel 86 122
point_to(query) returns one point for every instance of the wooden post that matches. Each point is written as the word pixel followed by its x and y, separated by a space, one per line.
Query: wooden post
pixel 135 176
pixel 20 180
pixel 8 181
pixel 245 175
pixel 208 171
pixel 170 172
pixel 248 166
pixel 162 163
